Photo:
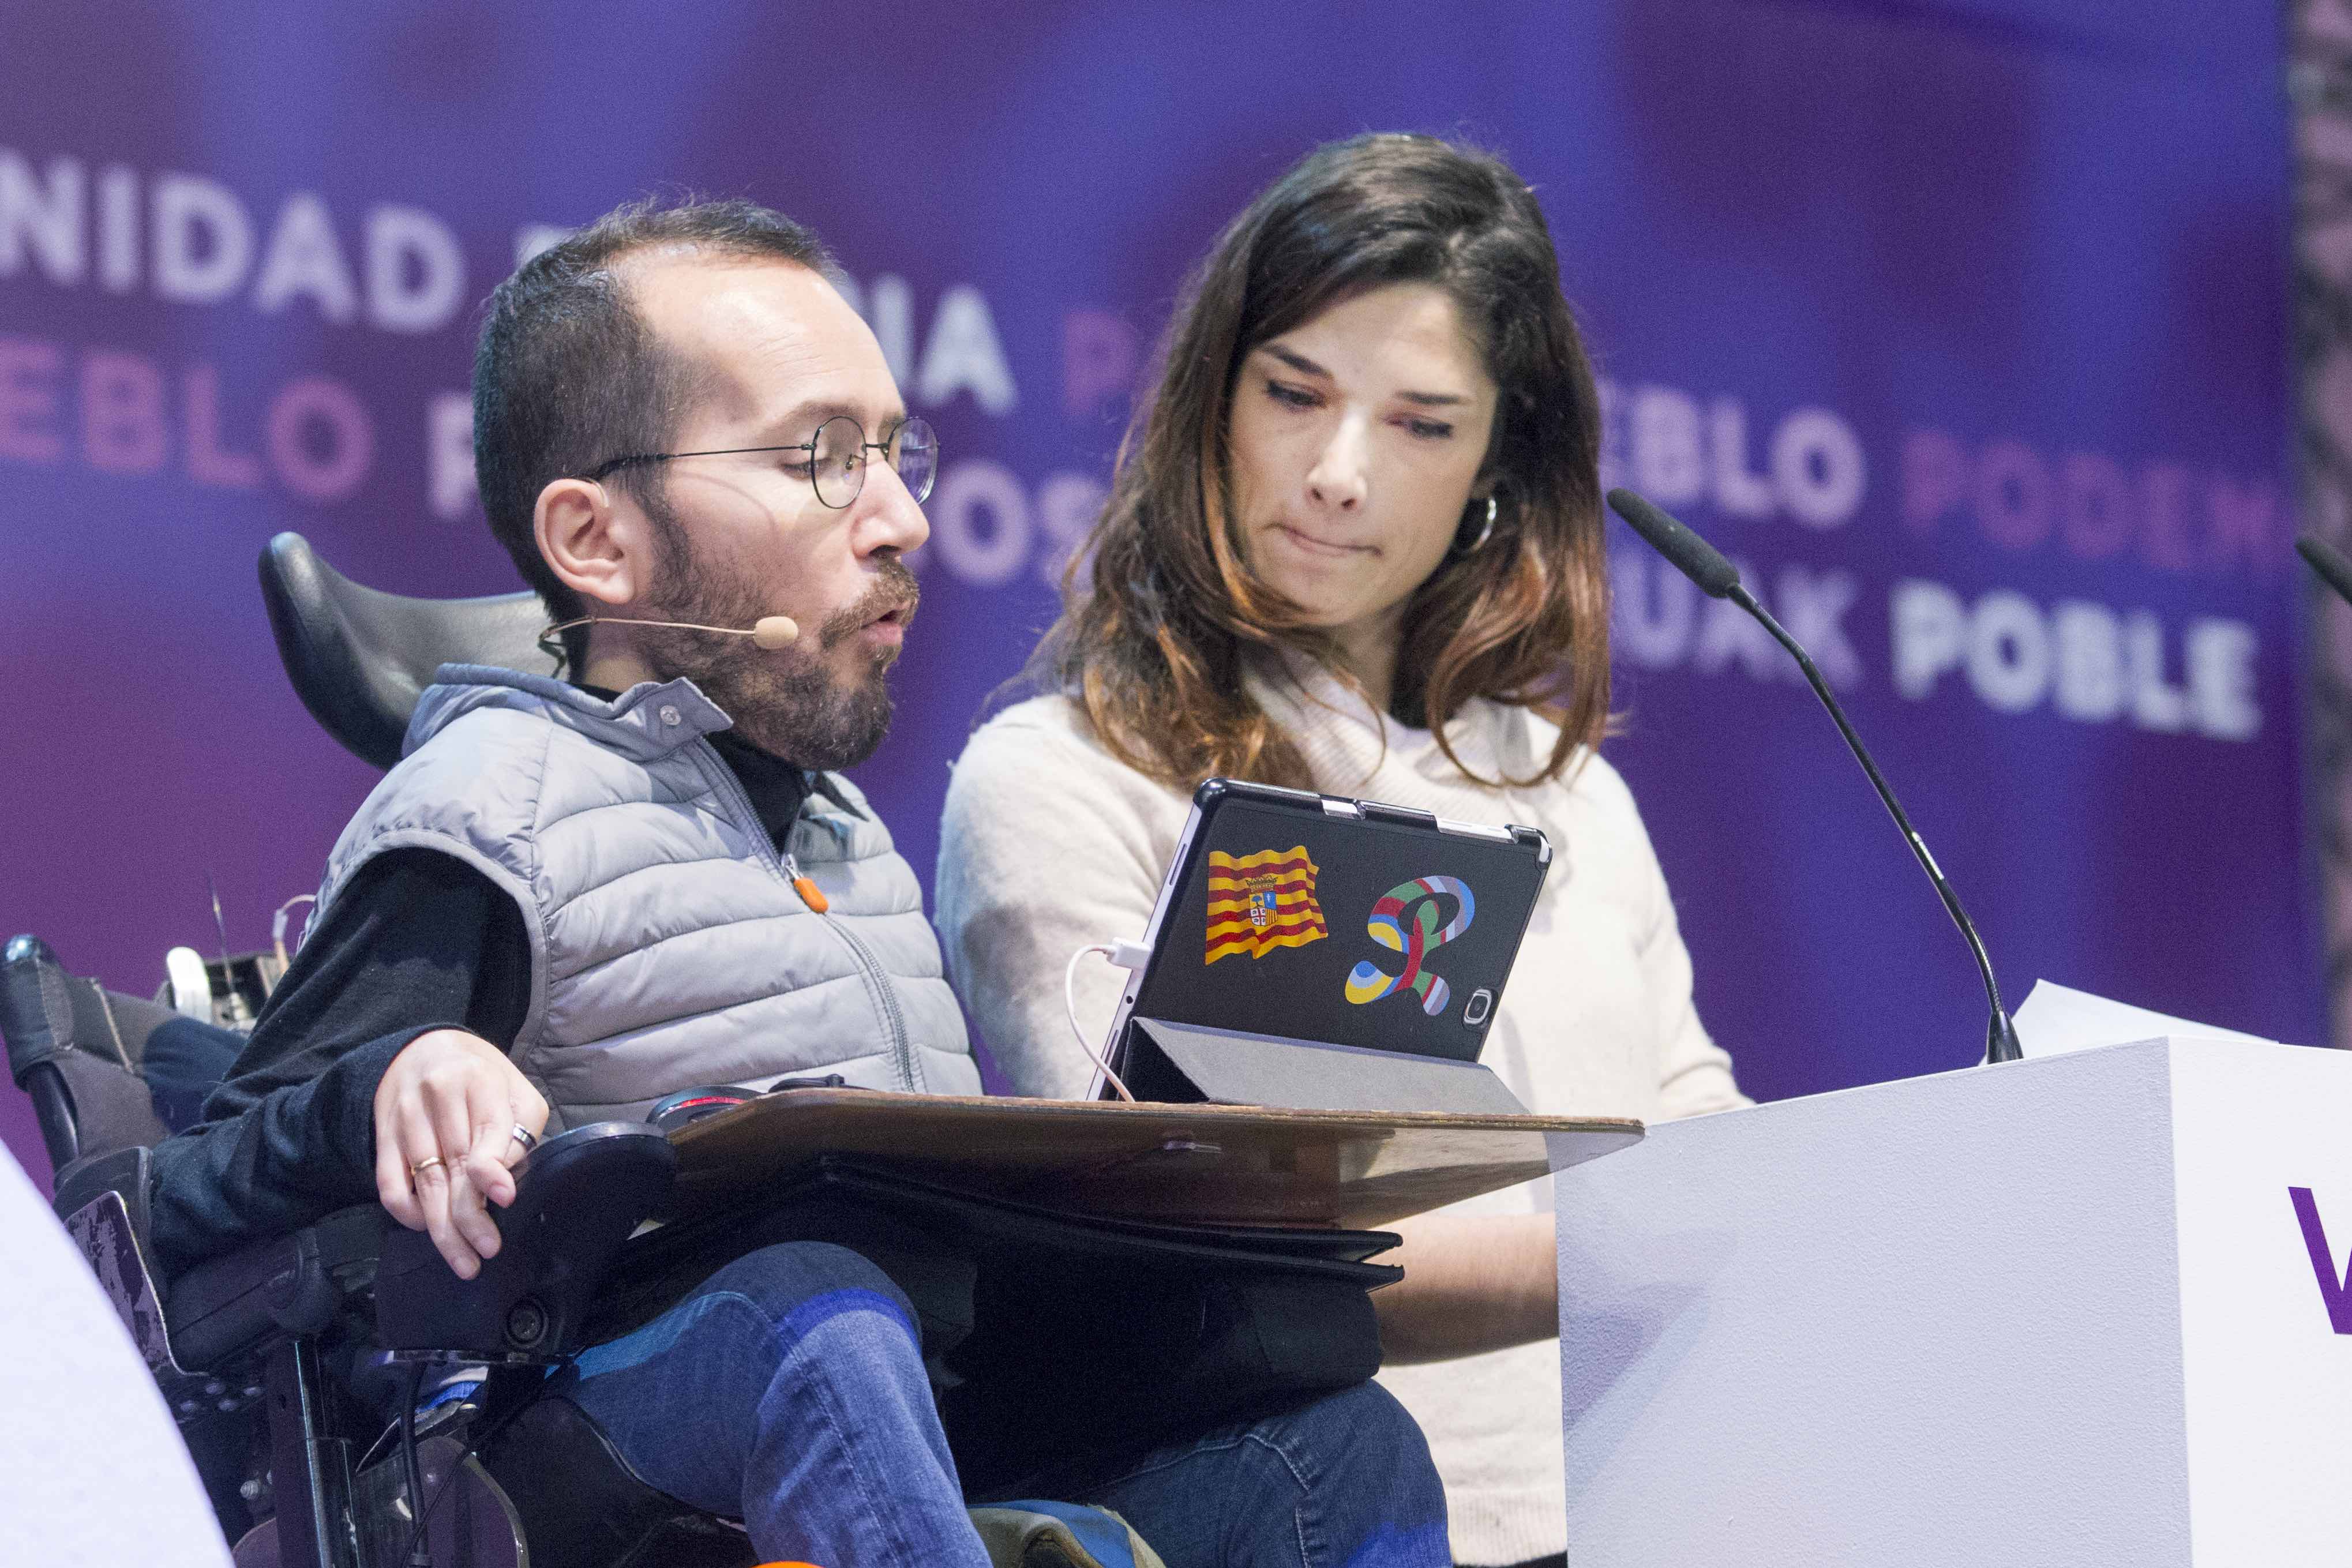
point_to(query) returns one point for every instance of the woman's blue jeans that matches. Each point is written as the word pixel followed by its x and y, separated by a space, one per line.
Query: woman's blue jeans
pixel 788 1390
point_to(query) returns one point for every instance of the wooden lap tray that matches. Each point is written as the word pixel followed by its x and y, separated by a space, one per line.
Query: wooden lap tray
pixel 1227 1164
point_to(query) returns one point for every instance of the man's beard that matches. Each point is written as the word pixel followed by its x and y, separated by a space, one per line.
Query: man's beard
pixel 789 702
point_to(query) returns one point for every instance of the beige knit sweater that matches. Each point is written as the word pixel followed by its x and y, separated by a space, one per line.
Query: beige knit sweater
pixel 1049 844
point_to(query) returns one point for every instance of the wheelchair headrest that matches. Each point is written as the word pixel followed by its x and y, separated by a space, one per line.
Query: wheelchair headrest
pixel 359 658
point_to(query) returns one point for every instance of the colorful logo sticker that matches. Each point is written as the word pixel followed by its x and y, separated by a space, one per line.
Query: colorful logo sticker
pixel 1262 902
pixel 1412 937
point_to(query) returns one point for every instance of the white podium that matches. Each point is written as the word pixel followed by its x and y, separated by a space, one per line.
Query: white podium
pixel 2059 1311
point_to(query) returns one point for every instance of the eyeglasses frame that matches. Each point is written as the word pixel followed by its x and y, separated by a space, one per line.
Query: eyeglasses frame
pixel 600 471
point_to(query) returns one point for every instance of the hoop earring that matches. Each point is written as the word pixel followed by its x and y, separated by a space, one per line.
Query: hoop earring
pixel 1484 534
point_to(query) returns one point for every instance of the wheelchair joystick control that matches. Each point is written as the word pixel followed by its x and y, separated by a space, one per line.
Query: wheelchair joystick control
pixel 577 1198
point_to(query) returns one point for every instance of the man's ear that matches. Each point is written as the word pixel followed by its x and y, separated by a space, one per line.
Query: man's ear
pixel 597 548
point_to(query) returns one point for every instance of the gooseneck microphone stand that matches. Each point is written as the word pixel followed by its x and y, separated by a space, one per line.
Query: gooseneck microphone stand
pixel 1717 578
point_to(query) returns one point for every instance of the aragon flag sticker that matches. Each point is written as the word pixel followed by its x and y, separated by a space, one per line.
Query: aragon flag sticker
pixel 1262 902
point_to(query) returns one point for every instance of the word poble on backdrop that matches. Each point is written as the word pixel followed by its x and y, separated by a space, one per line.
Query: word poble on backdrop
pixel 2088 660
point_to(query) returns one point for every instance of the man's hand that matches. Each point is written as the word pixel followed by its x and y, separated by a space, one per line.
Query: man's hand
pixel 445 1115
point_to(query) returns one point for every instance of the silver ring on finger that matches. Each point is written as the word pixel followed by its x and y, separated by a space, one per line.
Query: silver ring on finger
pixel 526 1137
pixel 431 1163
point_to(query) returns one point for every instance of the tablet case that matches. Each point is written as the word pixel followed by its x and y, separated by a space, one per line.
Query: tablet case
pixel 1287 916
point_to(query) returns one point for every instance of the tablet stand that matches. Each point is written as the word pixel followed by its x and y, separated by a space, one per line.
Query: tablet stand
pixel 1186 1064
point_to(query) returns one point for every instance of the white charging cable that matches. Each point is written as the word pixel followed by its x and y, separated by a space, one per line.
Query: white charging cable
pixel 281 920
pixel 1126 955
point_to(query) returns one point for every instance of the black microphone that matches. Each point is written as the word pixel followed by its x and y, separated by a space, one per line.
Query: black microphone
pixel 1703 564
pixel 2328 562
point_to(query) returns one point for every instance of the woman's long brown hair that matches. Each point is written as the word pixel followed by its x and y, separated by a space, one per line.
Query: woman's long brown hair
pixel 1161 613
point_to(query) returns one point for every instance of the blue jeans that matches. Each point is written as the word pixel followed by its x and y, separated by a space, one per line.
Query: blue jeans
pixel 789 1391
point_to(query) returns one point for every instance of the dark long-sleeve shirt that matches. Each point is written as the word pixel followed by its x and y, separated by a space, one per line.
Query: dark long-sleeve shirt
pixel 417 941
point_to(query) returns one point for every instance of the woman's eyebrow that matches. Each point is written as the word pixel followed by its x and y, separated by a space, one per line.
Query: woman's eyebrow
pixel 1305 366
pixel 1296 360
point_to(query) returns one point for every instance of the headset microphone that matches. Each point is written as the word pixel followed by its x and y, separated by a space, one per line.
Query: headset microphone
pixel 769 632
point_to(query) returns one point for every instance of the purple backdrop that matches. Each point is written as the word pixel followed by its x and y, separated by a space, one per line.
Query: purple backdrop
pixel 1961 322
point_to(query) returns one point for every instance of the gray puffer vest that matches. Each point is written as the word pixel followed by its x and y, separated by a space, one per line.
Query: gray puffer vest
pixel 669 947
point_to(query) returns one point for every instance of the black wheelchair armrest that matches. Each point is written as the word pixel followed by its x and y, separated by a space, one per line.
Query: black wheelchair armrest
pixel 578 1196
pixel 291 1284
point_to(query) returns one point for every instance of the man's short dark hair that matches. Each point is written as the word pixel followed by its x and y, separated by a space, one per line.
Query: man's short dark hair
pixel 568 375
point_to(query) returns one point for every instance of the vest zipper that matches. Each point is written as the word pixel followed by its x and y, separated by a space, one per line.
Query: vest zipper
pixel 900 1046
pixel 779 861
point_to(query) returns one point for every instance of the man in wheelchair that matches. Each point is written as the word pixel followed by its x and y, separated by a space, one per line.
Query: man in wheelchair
pixel 571 898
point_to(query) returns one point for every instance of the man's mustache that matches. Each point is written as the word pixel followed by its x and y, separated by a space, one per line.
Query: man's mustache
pixel 895 590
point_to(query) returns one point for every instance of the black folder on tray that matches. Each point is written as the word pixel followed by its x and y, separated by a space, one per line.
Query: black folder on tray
pixel 1055 1338
pixel 1090 1279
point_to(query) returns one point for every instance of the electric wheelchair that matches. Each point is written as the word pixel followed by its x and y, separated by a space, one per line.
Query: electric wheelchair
pixel 327 1380
pixel 351 1404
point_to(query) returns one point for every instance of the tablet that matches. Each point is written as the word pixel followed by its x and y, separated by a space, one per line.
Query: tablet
pixel 1342 921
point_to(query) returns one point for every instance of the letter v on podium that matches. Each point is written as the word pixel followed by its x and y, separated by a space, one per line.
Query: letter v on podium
pixel 2335 1291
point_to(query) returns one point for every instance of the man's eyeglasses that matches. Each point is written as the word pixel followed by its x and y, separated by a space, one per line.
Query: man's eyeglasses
pixel 837 457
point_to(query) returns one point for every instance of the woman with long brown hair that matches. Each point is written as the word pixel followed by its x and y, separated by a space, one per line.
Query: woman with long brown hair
pixel 1354 544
